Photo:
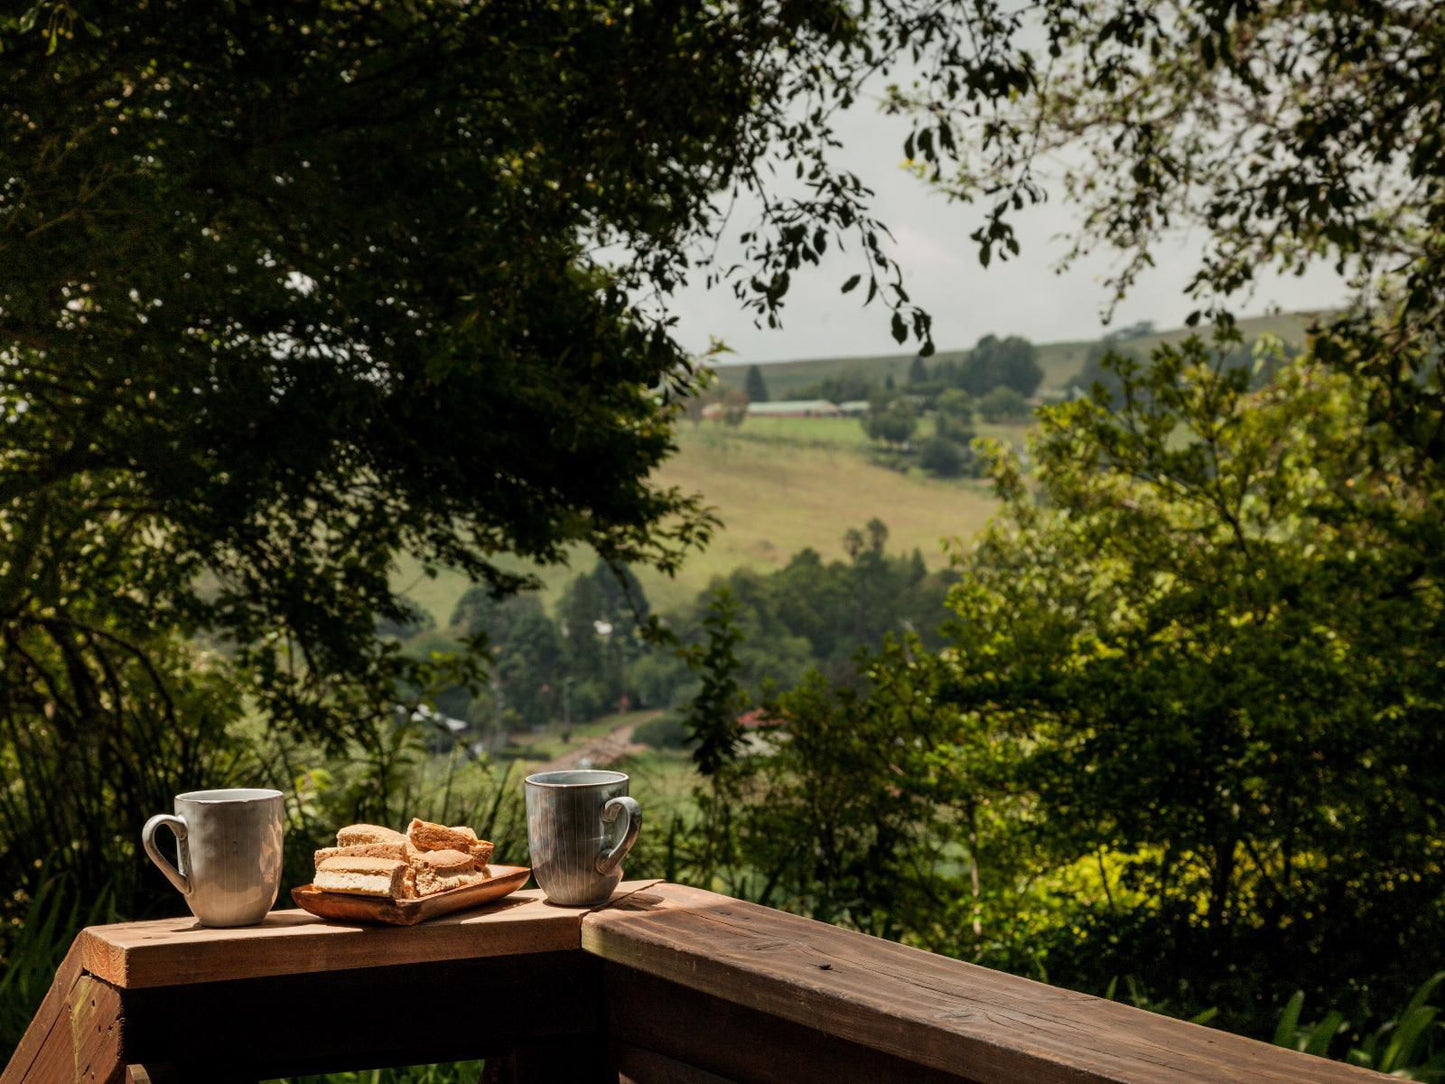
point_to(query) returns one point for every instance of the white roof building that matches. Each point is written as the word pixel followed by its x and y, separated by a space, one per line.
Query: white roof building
pixel 794 408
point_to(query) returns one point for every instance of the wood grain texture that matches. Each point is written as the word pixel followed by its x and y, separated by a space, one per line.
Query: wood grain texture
pixel 977 1024
pixel 83 1041
pixel 722 1040
pixel 76 1033
pixel 636 1065
pixel 47 1019
pixel 96 1032
pixel 176 952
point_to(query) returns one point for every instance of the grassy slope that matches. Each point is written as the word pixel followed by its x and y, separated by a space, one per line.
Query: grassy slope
pixel 779 485
pixel 777 494
pixel 1059 361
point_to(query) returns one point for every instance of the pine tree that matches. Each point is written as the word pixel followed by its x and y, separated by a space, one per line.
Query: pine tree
pixel 918 371
pixel 755 386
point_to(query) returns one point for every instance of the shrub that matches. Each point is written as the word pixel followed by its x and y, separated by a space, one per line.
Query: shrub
pixel 662 732
pixel 1003 405
pixel 942 457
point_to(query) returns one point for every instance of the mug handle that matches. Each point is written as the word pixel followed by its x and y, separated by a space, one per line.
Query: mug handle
pixel 608 861
pixel 148 837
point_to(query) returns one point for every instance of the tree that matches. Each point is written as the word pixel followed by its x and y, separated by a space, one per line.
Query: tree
pixel 1003 404
pixel 712 718
pixel 1158 729
pixel 892 422
pixel 953 427
pixel 1102 363
pixel 849 387
pixel 942 456
pixel 955 403
pixel 1008 363
pixel 1208 121
pixel 1222 698
pixel 524 649
pixel 877 535
pixel 755 386
pixel 918 371
pixel 287 296
pixel 732 406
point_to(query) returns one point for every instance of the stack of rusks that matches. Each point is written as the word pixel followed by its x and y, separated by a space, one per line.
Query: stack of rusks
pixel 369 860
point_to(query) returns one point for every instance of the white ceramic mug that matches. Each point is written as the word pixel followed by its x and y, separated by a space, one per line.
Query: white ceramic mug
pixel 229 846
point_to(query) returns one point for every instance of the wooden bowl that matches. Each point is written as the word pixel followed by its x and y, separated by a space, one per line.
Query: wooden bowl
pixel 346 907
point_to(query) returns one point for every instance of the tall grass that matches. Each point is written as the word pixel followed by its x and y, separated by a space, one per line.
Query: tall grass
pixel 456 1072
pixel 41 935
pixel 1409 1045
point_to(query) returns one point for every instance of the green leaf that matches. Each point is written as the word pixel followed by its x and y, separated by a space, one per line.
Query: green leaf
pixel 1285 1030
pixel 1322 1034
pixel 1398 1052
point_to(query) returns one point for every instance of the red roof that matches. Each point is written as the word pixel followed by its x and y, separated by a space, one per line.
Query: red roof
pixel 757 719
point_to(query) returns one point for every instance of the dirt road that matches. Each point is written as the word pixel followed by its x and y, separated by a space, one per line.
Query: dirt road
pixel 598 752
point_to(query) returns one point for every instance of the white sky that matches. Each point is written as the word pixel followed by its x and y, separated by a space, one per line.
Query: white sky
pixel 1023 296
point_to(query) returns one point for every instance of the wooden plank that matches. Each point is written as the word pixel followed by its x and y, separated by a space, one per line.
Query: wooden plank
pixel 722 1040
pixel 85 1044
pixel 636 1065
pixel 171 952
pixel 956 1017
pixel 368 1018
pixel 96 1032
pixel 167 1073
pixel 53 1009
pixel 581 1059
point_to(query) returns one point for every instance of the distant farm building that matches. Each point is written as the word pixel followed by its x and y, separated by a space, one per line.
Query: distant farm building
pixel 854 408
pixel 794 408
pixel 758 731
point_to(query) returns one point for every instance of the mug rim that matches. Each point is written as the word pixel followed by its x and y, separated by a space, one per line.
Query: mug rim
pixel 540 778
pixel 229 794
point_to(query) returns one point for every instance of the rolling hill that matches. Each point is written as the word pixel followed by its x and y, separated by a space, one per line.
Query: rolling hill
pixel 1059 360
pixel 779 485
pixel 782 484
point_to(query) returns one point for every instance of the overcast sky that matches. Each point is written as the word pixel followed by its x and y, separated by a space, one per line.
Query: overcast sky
pixel 1023 296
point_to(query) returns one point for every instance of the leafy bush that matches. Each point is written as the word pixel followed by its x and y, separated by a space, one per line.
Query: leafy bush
pixel 664 732
pixel 1003 405
pixel 892 422
pixel 942 457
pixel 42 929
pixel 1409 1045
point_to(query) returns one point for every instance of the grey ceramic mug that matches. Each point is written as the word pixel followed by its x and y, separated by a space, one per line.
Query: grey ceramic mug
pixel 580 825
pixel 229 846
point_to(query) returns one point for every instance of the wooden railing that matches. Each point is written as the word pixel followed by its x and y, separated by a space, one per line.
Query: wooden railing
pixel 663 984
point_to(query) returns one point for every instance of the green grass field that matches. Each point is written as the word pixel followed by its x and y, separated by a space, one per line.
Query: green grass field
pixel 1059 361
pixel 777 497
pixel 780 485
pixel 783 484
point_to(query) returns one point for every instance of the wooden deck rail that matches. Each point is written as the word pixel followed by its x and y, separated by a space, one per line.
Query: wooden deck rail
pixel 664 983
